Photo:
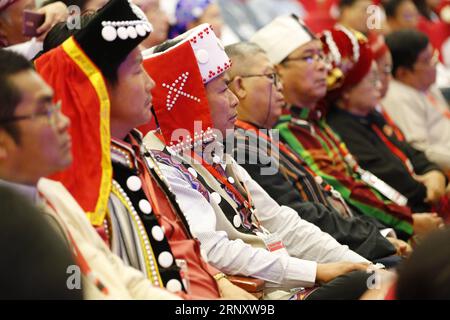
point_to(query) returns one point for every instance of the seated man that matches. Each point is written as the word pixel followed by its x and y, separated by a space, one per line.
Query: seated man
pixel 254 82
pixel 305 130
pixel 352 115
pixel 34 128
pixel 241 229
pixel 401 14
pixel 141 205
pixel 413 102
pixel 34 143
pixel 43 256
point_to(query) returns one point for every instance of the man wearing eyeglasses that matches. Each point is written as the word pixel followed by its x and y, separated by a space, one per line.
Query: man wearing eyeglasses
pixel 289 183
pixel 34 129
pixel 305 84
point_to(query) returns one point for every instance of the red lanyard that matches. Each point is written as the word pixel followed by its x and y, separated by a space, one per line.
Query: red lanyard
pixel 246 203
pixel 281 146
pixel 396 151
pixel 79 258
pixel 397 131
pixel 342 150
pixel 223 181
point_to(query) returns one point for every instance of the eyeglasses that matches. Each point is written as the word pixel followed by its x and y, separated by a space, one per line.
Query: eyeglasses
pixel 50 113
pixel 271 76
pixel 316 57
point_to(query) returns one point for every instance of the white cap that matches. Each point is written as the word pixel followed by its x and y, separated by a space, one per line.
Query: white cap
pixel 281 37
pixel 209 51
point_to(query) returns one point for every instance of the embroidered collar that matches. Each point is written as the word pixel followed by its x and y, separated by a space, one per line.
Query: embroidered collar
pixel 122 150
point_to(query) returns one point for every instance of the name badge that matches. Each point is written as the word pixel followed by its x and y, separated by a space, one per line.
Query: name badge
pixel 384 188
pixel 273 242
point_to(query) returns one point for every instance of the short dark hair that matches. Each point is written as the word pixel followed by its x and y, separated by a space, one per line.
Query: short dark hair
pixel 166 45
pixel 11 63
pixel 423 8
pixel 346 3
pixel 391 7
pixel 405 47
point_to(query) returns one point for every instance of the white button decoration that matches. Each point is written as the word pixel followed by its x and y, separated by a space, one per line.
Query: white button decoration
pixel 145 206
pixel 148 27
pixel 109 33
pixel 174 286
pixel 216 197
pixel 202 56
pixel 132 33
pixel 231 180
pixel 134 183
pixel 140 29
pixel 193 172
pixel 157 233
pixel 165 259
pixel 122 33
pixel 237 221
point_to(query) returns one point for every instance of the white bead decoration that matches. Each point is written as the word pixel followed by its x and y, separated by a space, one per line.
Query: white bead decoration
pixel 122 33
pixel 202 56
pixel 231 180
pixel 132 33
pixel 140 29
pixel 216 197
pixel 174 286
pixel 134 183
pixel 165 259
pixel 109 33
pixel 157 233
pixel 177 88
pixel 142 232
pixel 237 221
pixel 199 138
pixel 127 29
pixel 145 206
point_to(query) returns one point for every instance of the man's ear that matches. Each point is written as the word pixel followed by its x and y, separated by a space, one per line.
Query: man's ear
pixel 238 87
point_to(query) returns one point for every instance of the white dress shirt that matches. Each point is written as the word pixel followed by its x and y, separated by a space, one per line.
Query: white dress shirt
pixel 423 124
pixel 306 244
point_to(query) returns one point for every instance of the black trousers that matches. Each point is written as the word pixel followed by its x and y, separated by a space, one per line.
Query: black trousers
pixel 350 286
